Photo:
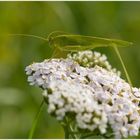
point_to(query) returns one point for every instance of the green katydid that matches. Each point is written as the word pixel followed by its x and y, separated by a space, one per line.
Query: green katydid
pixel 68 42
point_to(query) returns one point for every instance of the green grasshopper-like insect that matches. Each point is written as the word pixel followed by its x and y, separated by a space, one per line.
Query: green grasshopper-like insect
pixel 61 41
pixel 68 42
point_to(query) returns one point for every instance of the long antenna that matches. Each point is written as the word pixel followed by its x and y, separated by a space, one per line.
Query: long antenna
pixel 29 35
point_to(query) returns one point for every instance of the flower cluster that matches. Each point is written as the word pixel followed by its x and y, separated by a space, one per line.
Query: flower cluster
pixel 91 59
pixel 97 97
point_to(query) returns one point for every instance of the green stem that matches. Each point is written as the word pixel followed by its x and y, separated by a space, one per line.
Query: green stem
pixel 66 133
pixel 32 130
pixel 65 128
pixel 72 132
pixel 68 129
pixel 93 135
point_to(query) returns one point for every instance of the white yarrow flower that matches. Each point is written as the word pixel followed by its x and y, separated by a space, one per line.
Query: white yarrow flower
pixel 96 96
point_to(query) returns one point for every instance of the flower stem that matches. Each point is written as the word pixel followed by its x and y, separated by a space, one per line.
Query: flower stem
pixel 72 132
pixel 66 133
pixel 68 129
pixel 32 130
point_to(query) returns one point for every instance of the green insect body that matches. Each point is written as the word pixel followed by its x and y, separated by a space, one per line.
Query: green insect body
pixel 68 42
pixel 61 41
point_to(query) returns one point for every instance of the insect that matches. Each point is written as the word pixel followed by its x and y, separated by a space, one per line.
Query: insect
pixel 66 42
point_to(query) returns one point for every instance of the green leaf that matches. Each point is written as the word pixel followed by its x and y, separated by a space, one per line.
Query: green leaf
pixel 70 42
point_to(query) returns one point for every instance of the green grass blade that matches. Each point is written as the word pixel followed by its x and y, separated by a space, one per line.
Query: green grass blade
pixel 31 133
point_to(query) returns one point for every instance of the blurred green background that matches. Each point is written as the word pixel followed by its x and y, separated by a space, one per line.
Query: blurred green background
pixel 19 101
